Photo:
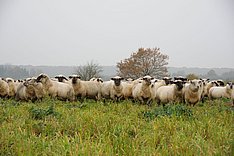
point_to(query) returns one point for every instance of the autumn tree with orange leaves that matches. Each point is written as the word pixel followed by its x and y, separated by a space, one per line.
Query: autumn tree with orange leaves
pixel 144 62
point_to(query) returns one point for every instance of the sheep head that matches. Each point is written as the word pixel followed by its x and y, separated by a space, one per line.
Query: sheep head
pixel 74 78
pixel 117 80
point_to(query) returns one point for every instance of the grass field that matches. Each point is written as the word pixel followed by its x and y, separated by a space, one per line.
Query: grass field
pixel 53 127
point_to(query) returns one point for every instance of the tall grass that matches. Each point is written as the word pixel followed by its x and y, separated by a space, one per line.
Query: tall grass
pixel 52 127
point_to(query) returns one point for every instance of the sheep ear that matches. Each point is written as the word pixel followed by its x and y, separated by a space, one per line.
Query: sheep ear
pixel 121 78
pixel 65 78
pixel 112 78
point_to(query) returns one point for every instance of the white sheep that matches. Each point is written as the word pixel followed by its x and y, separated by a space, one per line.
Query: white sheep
pixel 25 92
pixel 207 86
pixel 193 91
pixel 219 92
pixel 154 87
pixel 170 93
pixel 96 79
pixel 83 89
pixel 38 89
pixel 141 90
pixel 12 87
pixel 62 91
pixel 4 88
pixel 127 89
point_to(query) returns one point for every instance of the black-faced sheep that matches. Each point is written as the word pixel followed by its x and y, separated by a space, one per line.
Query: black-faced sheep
pixel 170 93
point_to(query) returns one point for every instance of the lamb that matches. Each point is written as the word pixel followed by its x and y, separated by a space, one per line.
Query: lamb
pixel 193 91
pixel 219 92
pixel 170 93
pixel 62 91
pixel 141 90
pixel 90 89
pixel 4 88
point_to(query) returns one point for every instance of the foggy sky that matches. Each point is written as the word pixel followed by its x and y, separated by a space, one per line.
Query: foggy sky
pixel 193 33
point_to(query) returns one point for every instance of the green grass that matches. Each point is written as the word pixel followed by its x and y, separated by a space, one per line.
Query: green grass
pixel 53 127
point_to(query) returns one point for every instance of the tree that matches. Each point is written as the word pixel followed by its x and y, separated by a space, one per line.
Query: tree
pixel 144 62
pixel 192 76
pixel 89 70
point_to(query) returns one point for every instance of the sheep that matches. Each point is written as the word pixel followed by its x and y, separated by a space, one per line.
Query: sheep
pixel 112 89
pixel 154 87
pixel 17 83
pixel 96 79
pixel 62 91
pixel 12 87
pixel 141 90
pixel 219 92
pixel 207 87
pixel 167 80
pixel 61 78
pixel 116 89
pixel 106 88
pixel 193 91
pixel 4 88
pixel 184 79
pixel 220 82
pixel 25 92
pixel 170 93
pixel 127 88
pixel 38 89
pixel 83 89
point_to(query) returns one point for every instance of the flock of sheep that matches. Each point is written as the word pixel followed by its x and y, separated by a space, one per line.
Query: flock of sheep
pixel 145 89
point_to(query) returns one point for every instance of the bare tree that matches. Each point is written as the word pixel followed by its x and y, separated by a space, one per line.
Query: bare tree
pixel 144 62
pixel 89 70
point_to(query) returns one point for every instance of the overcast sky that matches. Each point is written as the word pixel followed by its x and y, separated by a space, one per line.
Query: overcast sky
pixel 193 33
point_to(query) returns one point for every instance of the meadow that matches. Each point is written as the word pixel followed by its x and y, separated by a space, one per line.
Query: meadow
pixel 53 127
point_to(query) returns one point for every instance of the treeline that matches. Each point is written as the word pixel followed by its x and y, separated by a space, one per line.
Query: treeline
pixel 21 72
pixel 211 74
pixel 17 72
